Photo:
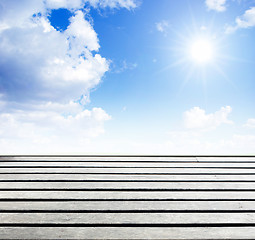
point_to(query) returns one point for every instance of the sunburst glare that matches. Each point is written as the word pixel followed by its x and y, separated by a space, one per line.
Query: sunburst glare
pixel 201 51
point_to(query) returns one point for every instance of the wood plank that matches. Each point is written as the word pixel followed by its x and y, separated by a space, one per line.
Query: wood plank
pixel 126 218
pixel 176 233
pixel 128 185
pixel 191 171
pixel 129 205
pixel 131 158
pixel 112 158
pixel 132 201
pixel 108 195
pixel 226 159
pixel 128 164
pixel 105 177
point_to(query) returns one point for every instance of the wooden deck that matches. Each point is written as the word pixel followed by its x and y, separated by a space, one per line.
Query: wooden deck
pixel 116 197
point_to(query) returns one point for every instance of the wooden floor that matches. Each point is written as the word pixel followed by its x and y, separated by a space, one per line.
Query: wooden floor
pixel 127 197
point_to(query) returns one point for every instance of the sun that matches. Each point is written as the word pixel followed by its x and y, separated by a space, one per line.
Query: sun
pixel 201 51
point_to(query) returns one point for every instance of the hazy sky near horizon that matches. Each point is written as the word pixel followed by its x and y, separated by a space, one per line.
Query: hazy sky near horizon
pixel 127 77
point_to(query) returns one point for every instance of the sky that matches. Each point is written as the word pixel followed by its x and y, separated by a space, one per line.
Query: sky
pixel 127 77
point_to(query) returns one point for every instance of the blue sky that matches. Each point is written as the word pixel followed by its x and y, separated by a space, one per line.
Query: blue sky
pixel 127 77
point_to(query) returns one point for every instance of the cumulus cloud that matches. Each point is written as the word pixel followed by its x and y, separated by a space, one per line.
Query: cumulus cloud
pixel 162 26
pixel 217 5
pixel 250 123
pixel 37 61
pixel 196 118
pixel 247 20
pixel 44 70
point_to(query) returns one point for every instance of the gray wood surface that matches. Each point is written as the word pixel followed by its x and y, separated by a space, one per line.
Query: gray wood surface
pixel 129 205
pixel 125 195
pixel 133 177
pixel 172 171
pixel 177 233
pixel 127 218
pixel 98 158
pixel 127 164
pixel 131 185
pixel 114 197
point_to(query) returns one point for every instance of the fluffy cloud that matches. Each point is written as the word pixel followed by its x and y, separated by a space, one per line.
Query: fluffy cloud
pixel 250 123
pixel 129 4
pixel 217 5
pixel 196 118
pixel 40 62
pixel 162 26
pixel 247 20
pixel 56 4
pixel 52 124
pixel 44 70
pixel 77 4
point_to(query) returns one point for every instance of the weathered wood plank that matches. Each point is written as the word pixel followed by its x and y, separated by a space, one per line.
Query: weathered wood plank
pixel 126 218
pixel 124 195
pixel 128 205
pixel 127 196
pixel 205 233
pixel 128 185
pixel 173 171
pixel 134 177
pixel 226 159
pixel 130 158
pixel 112 158
pixel 127 164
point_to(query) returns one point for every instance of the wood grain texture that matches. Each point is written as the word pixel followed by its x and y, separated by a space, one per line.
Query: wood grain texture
pixel 129 205
pixel 202 233
pixel 124 197
pixel 152 171
pixel 240 186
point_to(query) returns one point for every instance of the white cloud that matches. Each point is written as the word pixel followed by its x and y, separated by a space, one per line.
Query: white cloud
pixel 250 123
pixel 184 143
pixel 57 126
pixel 217 5
pixel 243 144
pixel 42 72
pixel 55 66
pixel 247 20
pixel 129 4
pixel 56 4
pixel 162 26
pixel 83 32
pixel 78 4
pixel 196 118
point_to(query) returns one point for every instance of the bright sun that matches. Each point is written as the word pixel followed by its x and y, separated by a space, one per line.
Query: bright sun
pixel 201 51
